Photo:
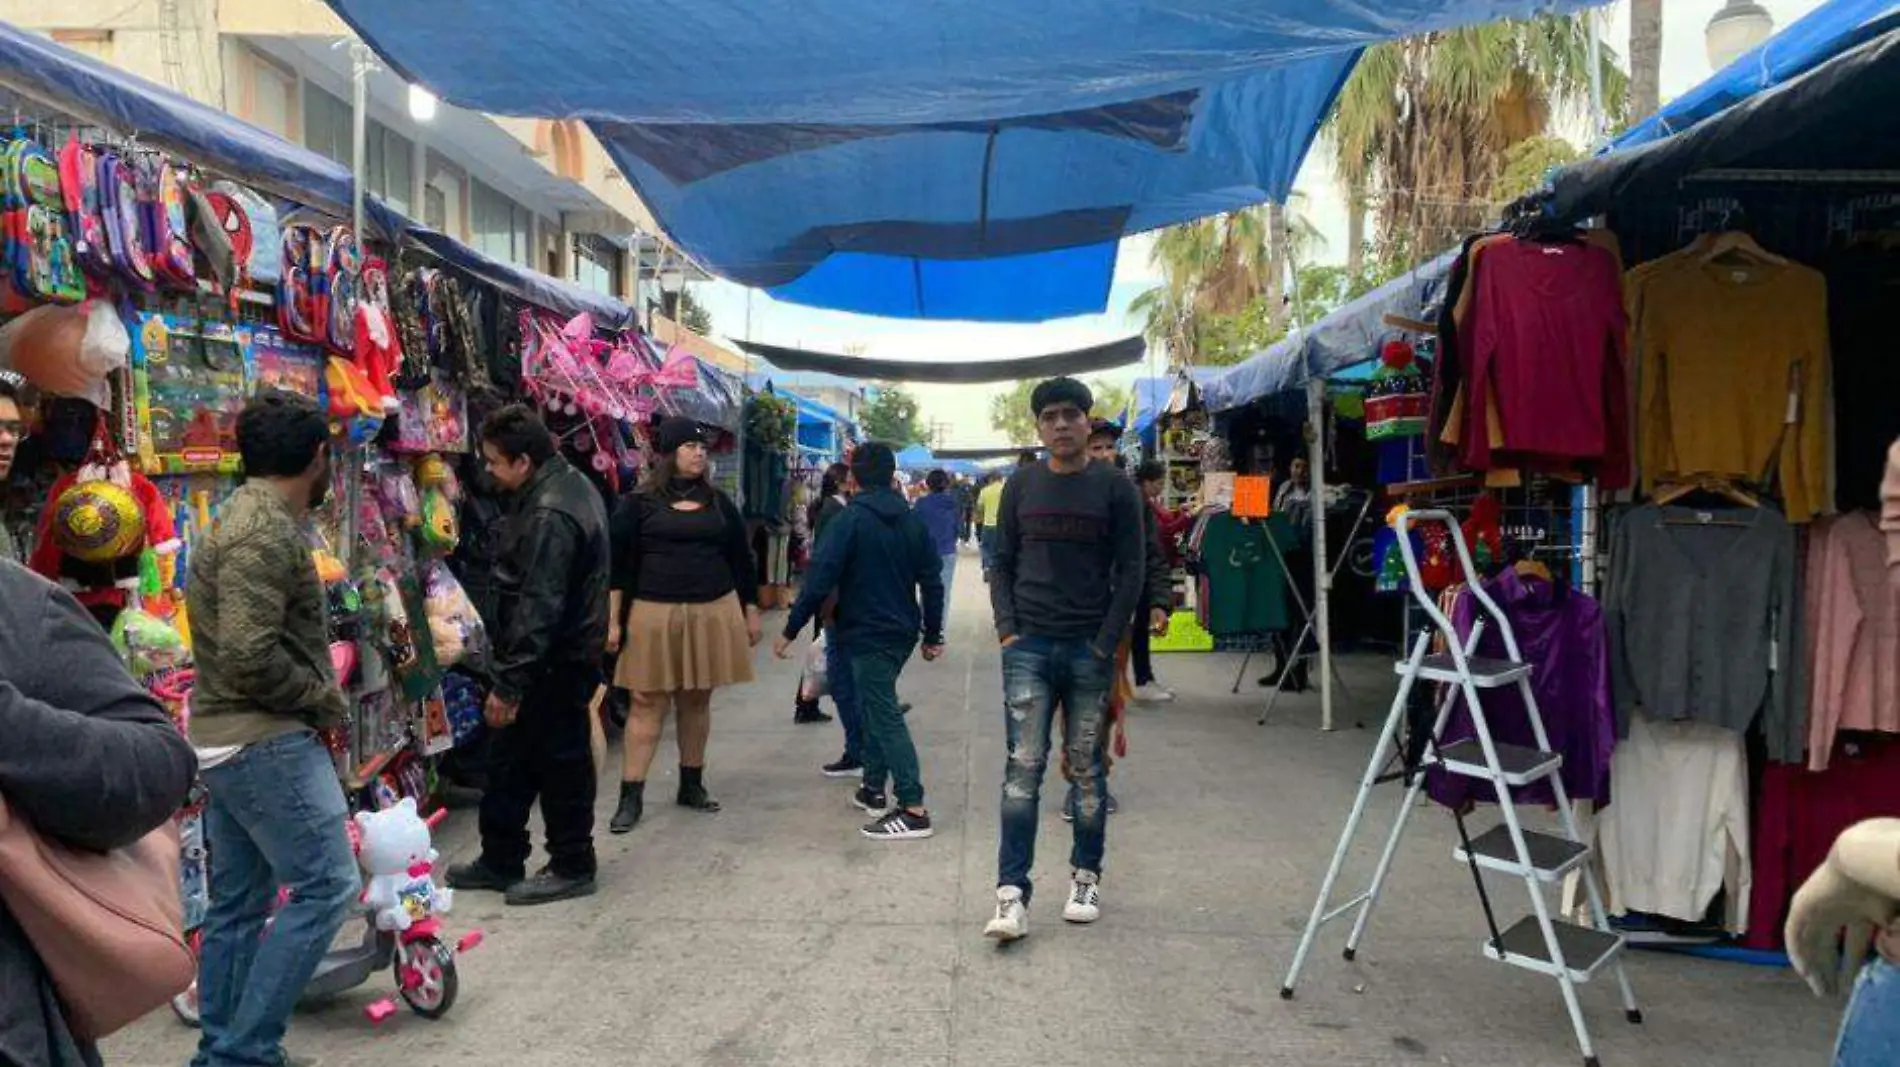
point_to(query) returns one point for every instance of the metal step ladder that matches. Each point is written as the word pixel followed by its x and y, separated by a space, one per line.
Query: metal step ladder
pixel 1570 953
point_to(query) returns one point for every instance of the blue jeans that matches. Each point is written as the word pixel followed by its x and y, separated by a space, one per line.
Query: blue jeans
pixel 986 544
pixel 1870 1031
pixel 1040 674
pixel 844 694
pixel 275 819
pixel 949 573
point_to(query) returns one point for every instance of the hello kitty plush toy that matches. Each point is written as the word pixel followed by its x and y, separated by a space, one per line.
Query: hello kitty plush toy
pixel 396 854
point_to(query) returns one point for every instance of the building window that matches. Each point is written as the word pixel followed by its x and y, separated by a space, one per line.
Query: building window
pixel 266 95
pixel 94 43
pixel 596 264
pixel 445 195
pixel 500 227
pixel 389 166
pixel 326 124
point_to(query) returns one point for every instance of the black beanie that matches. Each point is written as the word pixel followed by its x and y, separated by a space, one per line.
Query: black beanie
pixel 1061 391
pixel 675 431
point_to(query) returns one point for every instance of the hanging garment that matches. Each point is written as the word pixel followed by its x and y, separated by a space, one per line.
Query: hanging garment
pixel 1679 828
pixel 1562 636
pixel 1246 586
pixel 1735 377
pixel 1701 608
pixel 1853 623
pixel 1802 812
pixel 1545 346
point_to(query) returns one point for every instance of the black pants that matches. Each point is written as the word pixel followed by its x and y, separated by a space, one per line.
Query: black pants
pixel 1138 651
pixel 544 754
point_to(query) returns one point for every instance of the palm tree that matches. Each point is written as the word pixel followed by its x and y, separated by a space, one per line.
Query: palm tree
pixel 1420 131
pixel 1221 268
pixel 1645 56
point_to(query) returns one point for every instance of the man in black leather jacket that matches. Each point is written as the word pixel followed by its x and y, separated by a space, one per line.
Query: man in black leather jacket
pixel 551 617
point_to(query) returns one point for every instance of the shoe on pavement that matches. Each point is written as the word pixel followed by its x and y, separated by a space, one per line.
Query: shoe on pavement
pixel 1153 694
pixel 900 825
pixel 1012 916
pixel 807 714
pixel 632 806
pixel 843 767
pixel 1085 898
pixel 547 887
pixel 871 801
pixel 694 796
pixel 479 876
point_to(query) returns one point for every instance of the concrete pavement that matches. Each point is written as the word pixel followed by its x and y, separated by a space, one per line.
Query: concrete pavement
pixel 773 934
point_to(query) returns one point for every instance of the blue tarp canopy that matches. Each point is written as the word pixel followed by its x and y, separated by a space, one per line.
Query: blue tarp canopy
pixel 1149 396
pixel 1817 37
pixel 977 160
pixel 1350 334
pixel 51 76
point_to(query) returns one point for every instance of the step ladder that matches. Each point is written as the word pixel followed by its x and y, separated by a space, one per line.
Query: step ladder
pixel 1570 953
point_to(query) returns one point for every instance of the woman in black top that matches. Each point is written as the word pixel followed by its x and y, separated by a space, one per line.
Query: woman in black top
pixel 685 612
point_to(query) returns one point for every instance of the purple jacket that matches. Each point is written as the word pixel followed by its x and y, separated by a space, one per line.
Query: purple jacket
pixel 1562 637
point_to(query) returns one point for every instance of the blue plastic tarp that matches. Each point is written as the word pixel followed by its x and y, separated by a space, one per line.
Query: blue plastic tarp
pixel 1823 33
pixel 1350 334
pixel 1150 396
pixel 974 160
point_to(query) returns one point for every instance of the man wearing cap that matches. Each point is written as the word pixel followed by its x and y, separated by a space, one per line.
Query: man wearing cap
pixel 1068 579
pixel 550 633
pixel 879 557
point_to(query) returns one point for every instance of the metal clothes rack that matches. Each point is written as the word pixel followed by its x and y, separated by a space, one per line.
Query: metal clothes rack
pixel 1307 616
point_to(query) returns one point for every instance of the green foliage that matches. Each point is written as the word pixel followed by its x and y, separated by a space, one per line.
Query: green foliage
pixel 771 421
pixel 1223 340
pixel 1527 163
pixel 693 314
pixel 891 417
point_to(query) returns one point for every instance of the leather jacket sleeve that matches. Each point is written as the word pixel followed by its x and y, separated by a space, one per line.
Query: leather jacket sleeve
pixel 541 565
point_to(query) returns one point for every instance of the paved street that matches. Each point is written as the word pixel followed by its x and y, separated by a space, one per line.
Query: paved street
pixel 773 933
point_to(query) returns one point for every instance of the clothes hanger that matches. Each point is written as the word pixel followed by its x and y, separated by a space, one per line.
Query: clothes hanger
pixel 1722 487
pixel 1530 568
pixel 1736 244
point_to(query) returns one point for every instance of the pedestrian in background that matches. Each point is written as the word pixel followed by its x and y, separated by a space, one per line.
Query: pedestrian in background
pixel 1068 579
pixel 552 585
pixel 829 505
pixel 263 688
pixel 938 511
pixel 989 504
pixel 685 612
pixel 1166 526
pixel 965 494
pixel 880 560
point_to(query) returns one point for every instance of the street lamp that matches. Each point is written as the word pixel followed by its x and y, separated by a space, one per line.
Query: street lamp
pixel 421 104
pixel 1738 27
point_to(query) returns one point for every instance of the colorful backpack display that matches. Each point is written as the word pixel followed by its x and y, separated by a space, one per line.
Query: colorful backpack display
pixel 263 260
pixel 119 204
pixel 163 221
pixel 340 270
pixel 301 284
pixel 85 217
pixel 39 250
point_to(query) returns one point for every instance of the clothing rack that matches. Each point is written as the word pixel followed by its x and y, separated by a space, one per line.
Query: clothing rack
pixel 1298 649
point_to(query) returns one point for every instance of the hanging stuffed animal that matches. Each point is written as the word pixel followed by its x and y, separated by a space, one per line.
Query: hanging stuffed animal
pixel 378 353
pixel 101 517
pixel 1484 535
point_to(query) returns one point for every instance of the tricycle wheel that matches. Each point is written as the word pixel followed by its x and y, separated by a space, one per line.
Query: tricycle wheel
pixel 425 976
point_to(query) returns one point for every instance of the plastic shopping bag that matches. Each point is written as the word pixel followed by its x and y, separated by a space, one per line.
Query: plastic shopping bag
pixel 814 683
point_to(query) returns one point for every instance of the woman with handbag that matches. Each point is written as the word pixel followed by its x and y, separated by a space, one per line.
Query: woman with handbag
pixel 91 765
pixel 684 614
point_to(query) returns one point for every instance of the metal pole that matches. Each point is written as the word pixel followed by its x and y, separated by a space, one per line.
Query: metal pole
pixel 359 135
pixel 1322 581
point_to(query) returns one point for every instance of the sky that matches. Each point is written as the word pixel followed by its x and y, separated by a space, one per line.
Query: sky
pixel 965 408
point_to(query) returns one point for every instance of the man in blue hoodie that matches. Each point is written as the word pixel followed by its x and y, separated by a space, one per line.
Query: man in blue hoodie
pixel 877 556
pixel 938 512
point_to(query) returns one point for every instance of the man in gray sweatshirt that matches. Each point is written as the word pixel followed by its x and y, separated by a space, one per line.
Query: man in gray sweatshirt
pixel 1068 578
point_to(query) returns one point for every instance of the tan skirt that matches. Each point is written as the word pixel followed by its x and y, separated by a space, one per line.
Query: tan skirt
pixel 670 647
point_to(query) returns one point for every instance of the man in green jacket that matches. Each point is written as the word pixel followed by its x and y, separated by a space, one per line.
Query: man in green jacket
pixel 264 688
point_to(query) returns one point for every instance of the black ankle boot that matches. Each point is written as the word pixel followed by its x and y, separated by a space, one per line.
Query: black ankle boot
pixel 807 712
pixel 693 791
pixel 632 804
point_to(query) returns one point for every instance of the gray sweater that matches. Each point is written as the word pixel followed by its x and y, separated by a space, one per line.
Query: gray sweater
pixel 1703 621
pixel 1069 554
pixel 88 757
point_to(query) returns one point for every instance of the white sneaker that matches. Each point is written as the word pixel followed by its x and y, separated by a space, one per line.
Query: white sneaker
pixel 1012 916
pixel 1152 694
pixel 1085 898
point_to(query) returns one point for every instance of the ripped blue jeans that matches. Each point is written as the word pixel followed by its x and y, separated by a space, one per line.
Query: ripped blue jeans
pixel 1870 1031
pixel 1041 674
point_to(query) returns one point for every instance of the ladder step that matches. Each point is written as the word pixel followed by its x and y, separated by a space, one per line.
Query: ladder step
pixel 1585 950
pixel 1517 765
pixel 1486 672
pixel 1551 857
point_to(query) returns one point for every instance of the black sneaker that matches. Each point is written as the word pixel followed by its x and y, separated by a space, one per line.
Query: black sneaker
pixel 547 887
pixel 872 801
pixel 843 767
pixel 808 714
pixel 900 825
pixel 479 876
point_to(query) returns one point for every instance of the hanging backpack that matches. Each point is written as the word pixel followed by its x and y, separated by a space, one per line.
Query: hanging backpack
pixel 263 262
pixel 340 269
pixel 119 205
pixel 166 228
pixel 41 254
pixel 301 284
pixel 85 219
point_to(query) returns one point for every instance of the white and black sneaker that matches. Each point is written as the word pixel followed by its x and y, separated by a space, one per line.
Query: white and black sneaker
pixel 1085 898
pixel 871 801
pixel 900 825
pixel 1012 916
pixel 843 767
